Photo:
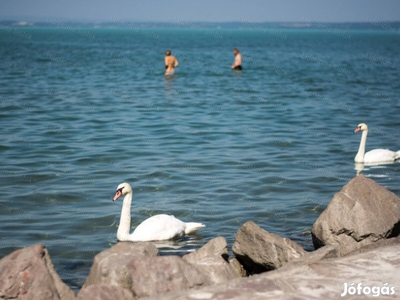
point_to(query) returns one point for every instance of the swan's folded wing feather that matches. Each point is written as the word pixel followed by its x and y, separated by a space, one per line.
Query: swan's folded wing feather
pixel 379 155
pixel 158 227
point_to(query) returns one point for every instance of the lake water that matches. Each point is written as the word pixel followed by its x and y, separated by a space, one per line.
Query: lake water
pixel 82 110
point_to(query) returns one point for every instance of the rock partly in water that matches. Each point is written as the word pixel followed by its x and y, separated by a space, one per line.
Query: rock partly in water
pixel 212 260
pixel 376 271
pixel 111 265
pixel 137 268
pixel 362 213
pixel 29 274
pixel 104 292
pixel 158 275
pixel 259 251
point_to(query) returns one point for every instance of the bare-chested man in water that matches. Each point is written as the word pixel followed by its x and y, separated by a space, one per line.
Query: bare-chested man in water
pixel 237 64
pixel 170 63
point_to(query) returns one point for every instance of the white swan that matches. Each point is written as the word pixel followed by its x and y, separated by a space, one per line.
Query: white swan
pixel 155 228
pixel 373 156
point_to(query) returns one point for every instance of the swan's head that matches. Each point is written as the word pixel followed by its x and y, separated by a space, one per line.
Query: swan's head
pixel 122 190
pixel 361 127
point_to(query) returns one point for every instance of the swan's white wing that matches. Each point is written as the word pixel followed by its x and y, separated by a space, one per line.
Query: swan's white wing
pixel 157 228
pixel 379 155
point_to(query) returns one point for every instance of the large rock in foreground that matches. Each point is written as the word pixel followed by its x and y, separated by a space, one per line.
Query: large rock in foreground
pixel 212 260
pixel 363 212
pixel 259 251
pixel 137 268
pixel 376 271
pixel 157 275
pixel 111 266
pixel 104 292
pixel 29 274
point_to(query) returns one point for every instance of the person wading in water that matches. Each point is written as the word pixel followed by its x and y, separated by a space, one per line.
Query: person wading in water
pixel 170 63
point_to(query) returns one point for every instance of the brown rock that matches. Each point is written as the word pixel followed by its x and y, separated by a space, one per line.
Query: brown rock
pixel 237 267
pixel 156 275
pixel 29 274
pixel 313 257
pixel 362 213
pixel 211 260
pixel 259 251
pixel 320 279
pixel 136 268
pixel 104 292
pixel 110 266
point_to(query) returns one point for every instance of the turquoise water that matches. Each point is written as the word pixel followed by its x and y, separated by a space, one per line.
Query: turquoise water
pixel 84 110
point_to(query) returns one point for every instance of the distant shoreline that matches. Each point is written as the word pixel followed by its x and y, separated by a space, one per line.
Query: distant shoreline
pixel 241 25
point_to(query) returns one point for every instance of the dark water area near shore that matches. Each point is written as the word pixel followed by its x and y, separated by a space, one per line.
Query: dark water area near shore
pixel 84 110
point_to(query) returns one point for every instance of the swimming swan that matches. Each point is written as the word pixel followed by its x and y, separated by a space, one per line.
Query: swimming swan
pixel 155 228
pixel 373 156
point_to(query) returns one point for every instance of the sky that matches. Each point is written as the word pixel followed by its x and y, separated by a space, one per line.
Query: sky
pixel 205 10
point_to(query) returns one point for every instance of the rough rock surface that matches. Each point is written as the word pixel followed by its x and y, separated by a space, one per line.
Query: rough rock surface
pixel 104 292
pixel 362 213
pixel 29 274
pixel 211 260
pixel 259 251
pixel 237 267
pixel 323 279
pixel 111 266
pixel 157 275
pixel 313 257
pixel 137 268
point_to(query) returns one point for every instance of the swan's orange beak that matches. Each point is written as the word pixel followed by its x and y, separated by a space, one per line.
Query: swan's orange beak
pixel 117 195
pixel 357 129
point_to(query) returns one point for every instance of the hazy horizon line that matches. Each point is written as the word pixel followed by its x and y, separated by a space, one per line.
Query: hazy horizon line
pixel 115 20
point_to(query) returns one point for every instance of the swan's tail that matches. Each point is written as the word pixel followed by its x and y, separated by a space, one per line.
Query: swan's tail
pixel 193 227
pixel 397 155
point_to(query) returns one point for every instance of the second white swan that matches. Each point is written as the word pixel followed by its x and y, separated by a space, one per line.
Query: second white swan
pixel 155 228
pixel 373 156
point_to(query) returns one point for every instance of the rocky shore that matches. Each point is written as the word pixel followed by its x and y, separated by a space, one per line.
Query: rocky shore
pixel 357 256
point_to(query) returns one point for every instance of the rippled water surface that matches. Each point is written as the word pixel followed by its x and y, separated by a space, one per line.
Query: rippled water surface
pixel 81 113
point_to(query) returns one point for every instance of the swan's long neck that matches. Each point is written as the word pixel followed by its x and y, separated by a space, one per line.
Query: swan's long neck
pixel 361 150
pixel 125 221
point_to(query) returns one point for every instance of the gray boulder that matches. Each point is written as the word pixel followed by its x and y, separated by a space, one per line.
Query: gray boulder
pixel 29 274
pixel 259 251
pixel 362 213
pixel 376 269
pixel 104 292
pixel 212 260
pixel 137 268
pixel 237 267
pixel 157 275
pixel 111 266
pixel 313 257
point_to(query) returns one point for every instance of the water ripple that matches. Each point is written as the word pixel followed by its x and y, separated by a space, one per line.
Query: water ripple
pixel 272 144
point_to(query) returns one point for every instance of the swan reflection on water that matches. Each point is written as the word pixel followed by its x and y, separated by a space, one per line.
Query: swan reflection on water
pixel 359 167
pixel 178 246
